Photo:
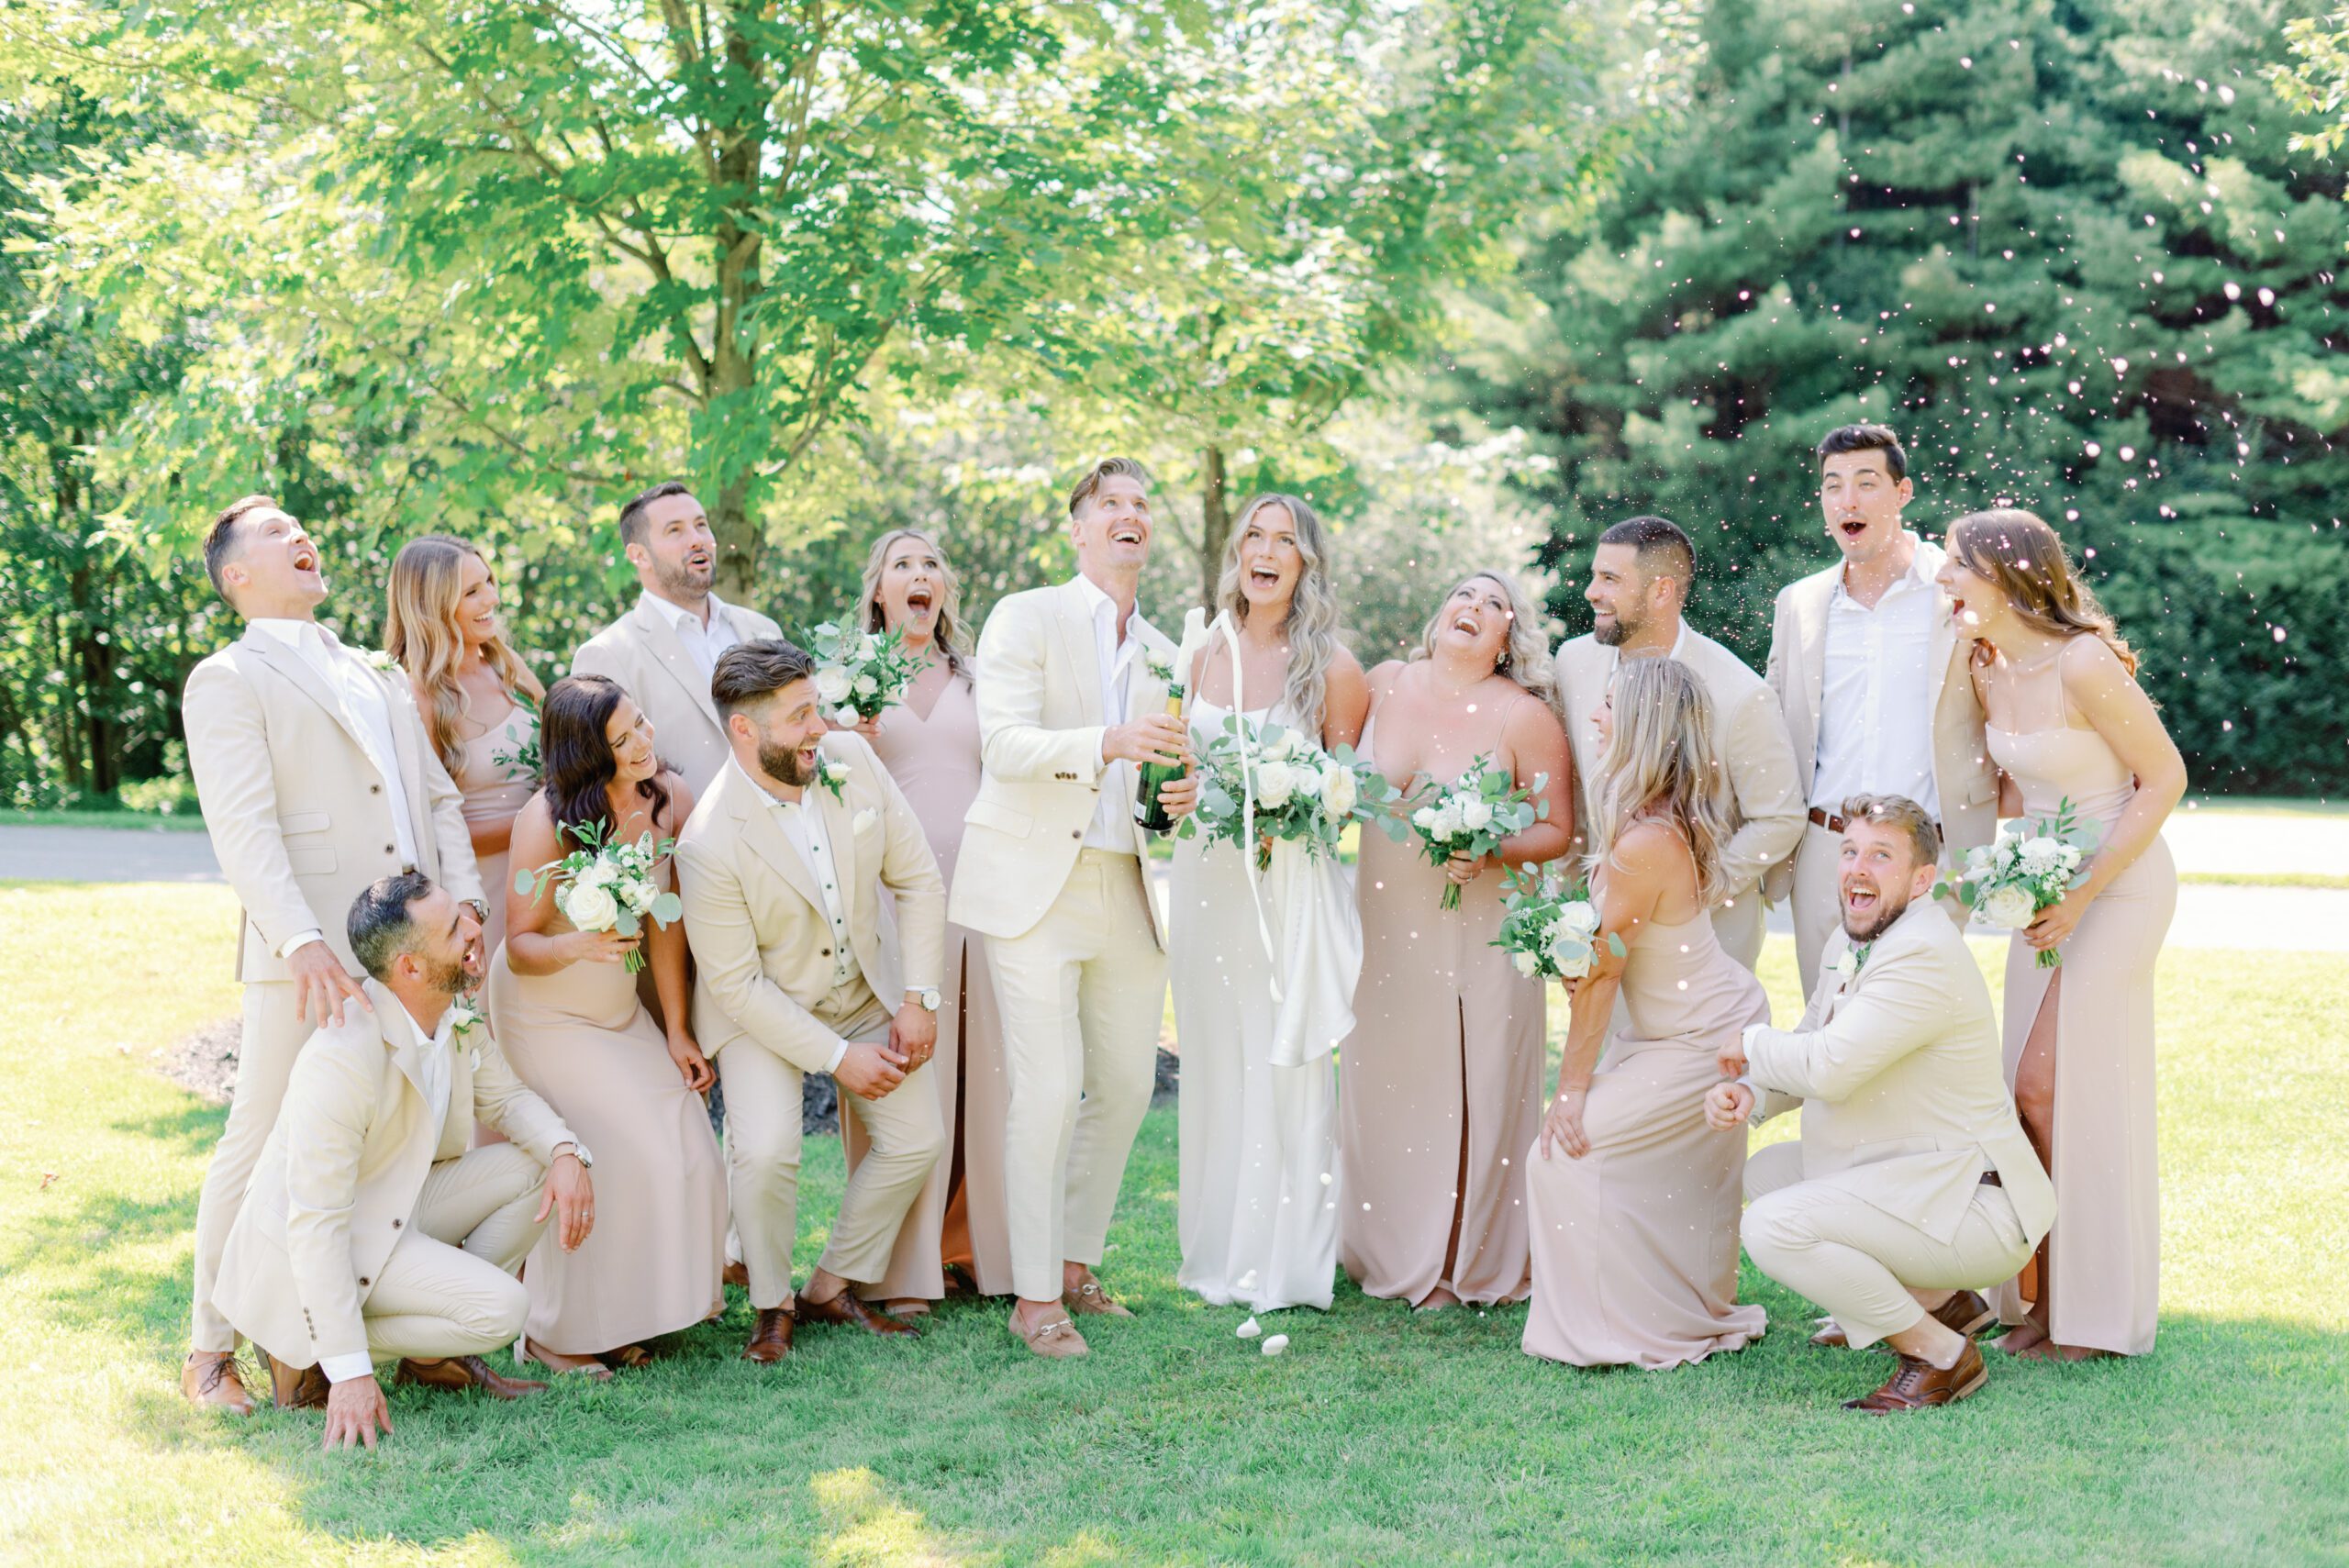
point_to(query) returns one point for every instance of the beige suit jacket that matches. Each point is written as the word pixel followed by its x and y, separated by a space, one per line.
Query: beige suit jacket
pixel 337 1181
pixel 295 807
pixel 755 919
pixel 1041 724
pixel 1901 1072
pixel 1963 774
pixel 1749 736
pixel 641 651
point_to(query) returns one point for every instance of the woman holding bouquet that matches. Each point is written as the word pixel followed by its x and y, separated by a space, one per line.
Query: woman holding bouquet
pixel 479 700
pixel 568 1016
pixel 929 743
pixel 1258 1214
pixel 1634 1198
pixel 2067 722
pixel 1442 1074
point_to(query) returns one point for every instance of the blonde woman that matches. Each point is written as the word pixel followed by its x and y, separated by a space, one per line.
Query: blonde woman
pixel 2066 720
pixel 955 1238
pixel 1634 1196
pixel 1258 1212
pixel 1441 1077
pixel 478 699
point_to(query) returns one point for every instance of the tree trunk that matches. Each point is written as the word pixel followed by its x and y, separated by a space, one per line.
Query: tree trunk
pixel 1215 526
pixel 731 434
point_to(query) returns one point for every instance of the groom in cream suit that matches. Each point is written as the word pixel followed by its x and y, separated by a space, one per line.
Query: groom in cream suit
pixel 1052 871
pixel 664 650
pixel 372 1230
pixel 781 867
pixel 1913 1187
pixel 1639 576
pixel 316 778
pixel 1871 678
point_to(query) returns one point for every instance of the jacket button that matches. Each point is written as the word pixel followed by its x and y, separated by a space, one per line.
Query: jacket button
pixel 391 849
pixel 1076 833
pixel 374 789
pixel 826 953
pixel 362 1279
pixel 395 1225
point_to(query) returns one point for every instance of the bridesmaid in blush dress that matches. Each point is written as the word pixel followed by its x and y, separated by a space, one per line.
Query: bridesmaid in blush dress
pixel 1440 1084
pixel 956 1238
pixel 569 1018
pixel 1634 1196
pixel 2066 720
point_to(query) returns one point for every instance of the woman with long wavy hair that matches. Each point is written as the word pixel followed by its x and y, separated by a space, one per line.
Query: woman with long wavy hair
pixel 2067 722
pixel 956 1239
pixel 568 1015
pixel 478 699
pixel 1258 1217
pixel 1442 1078
pixel 1634 1198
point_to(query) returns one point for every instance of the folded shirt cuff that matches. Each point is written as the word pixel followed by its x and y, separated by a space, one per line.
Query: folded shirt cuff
pixel 343 1369
pixel 304 939
pixel 839 1054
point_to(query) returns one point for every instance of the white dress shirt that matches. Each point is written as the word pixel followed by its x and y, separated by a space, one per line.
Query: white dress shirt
pixel 705 643
pixel 367 711
pixel 802 822
pixel 1876 704
pixel 1112 827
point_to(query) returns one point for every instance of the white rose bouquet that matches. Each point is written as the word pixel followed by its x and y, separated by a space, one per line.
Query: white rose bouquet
pixel 860 674
pixel 1472 816
pixel 1302 791
pixel 2033 864
pixel 608 885
pixel 1549 926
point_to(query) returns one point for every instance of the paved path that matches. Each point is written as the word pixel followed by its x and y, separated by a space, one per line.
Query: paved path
pixel 2281 918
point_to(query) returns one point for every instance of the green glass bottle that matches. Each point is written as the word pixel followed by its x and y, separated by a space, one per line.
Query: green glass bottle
pixel 1155 775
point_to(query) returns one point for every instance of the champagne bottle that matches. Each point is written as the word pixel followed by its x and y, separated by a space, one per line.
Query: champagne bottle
pixel 1155 775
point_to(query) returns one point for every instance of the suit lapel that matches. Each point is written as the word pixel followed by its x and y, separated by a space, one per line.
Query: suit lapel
pixel 838 819
pixel 405 1044
pixel 662 637
pixel 1812 620
pixel 308 679
pixel 1077 641
pixel 405 757
pixel 756 814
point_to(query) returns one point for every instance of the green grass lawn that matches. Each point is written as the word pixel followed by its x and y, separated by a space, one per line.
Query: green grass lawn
pixel 1379 1437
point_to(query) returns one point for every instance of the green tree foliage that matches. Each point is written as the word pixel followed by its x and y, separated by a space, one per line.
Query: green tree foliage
pixel 2069 250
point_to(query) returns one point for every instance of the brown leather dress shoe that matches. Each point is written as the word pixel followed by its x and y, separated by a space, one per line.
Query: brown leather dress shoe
pixel 769 1335
pixel 846 1308
pixel 737 1274
pixel 211 1381
pixel 1054 1340
pixel 1964 1313
pixel 459 1372
pixel 297 1387
pixel 1920 1385
pixel 1089 1300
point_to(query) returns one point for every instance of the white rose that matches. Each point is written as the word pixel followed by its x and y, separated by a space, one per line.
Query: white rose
pixel 1447 821
pixel 2010 908
pixel 600 872
pixel 1475 814
pixel 1424 818
pixel 1569 949
pixel 1339 794
pixel 1847 966
pixel 1275 784
pixel 865 648
pixel 1304 778
pixel 638 897
pixel 1977 860
pixel 865 686
pixel 2041 855
pixel 832 685
pixel 591 907
pixel 1580 916
pixel 1527 964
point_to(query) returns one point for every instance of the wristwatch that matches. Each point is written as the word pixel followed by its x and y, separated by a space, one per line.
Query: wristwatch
pixel 579 1152
pixel 480 906
pixel 929 998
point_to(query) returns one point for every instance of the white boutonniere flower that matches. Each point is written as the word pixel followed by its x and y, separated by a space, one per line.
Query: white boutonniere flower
pixel 832 775
pixel 1849 962
pixel 463 1016
pixel 382 663
pixel 863 820
pixel 1161 665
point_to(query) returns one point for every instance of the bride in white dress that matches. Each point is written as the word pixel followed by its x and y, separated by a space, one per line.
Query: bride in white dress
pixel 1258 1217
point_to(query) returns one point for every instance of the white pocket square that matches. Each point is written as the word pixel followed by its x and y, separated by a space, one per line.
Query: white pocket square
pixel 863 820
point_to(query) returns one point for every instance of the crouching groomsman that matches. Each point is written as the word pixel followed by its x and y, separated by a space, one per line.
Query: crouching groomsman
pixel 370 1230
pixel 1914 1187
pixel 781 867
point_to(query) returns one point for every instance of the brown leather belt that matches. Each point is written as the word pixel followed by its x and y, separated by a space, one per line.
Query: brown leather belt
pixel 1990 1179
pixel 1835 824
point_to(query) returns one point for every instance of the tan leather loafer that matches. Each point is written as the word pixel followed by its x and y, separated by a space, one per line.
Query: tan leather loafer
pixel 1089 1300
pixel 1053 1341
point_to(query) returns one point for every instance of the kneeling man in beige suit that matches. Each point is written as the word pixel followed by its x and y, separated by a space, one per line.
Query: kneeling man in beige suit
pixel 1914 1187
pixel 781 867
pixel 370 1230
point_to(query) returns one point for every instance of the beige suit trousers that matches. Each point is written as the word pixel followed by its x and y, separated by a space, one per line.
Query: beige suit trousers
pixel 273 1036
pixel 1860 1261
pixel 905 1127
pixel 447 1288
pixel 1083 995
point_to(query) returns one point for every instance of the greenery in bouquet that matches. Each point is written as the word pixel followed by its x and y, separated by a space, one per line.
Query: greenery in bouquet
pixel 2030 866
pixel 861 673
pixel 1301 791
pixel 1474 814
pixel 607 885
pixel 518 752
pixel 1550 926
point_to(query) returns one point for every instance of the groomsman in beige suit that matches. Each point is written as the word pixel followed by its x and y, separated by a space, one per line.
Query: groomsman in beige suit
pixel 782 866
pixel 372 1230
pixel 664 650
pixel 1871 677
pixel 316 778
pixel 1640 578
pixel 1914 1187
pixel 1052 871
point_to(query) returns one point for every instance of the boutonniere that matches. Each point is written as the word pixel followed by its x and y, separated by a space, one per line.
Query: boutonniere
pixel 381 662
pixel 1849 962
pixel 464 1019
pixel 863 820
pixel 832 775
pixel 1160 665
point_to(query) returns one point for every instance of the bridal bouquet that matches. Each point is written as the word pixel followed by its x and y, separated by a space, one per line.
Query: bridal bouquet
pixel 2030 866
pixel 860 674
pixel 1301 791
pixel 1472 816
pixel 608 885
pixel 1549 926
